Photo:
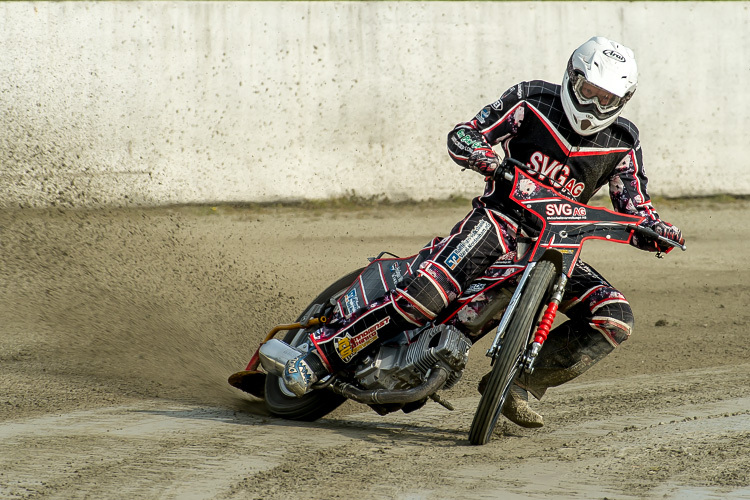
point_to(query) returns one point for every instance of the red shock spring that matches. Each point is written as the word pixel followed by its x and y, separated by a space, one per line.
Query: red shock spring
pixel 546 323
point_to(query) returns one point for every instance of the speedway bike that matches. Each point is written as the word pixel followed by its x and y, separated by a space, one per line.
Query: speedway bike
pixel 517 298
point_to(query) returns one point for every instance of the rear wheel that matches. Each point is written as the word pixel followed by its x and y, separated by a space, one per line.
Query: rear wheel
pixel 508 361
pixel 283 403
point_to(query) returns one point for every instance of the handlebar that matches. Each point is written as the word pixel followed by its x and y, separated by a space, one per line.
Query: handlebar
pixel 507 173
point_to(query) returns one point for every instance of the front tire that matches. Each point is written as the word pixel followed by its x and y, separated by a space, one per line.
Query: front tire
pixel 283 403
pixel 508 360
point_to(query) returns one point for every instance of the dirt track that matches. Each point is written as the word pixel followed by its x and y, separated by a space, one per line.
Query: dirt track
pixel 118 330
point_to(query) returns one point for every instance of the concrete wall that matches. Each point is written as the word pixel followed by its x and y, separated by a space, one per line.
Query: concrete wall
pixel 161 102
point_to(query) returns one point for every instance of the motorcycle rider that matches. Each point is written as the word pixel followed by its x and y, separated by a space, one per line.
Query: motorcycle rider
pixel 573 136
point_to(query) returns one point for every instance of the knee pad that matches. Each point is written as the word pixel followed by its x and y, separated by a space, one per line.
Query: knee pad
pixel 614 322
pixel 428 293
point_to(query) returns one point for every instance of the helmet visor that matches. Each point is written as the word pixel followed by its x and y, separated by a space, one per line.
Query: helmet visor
pixel 588 93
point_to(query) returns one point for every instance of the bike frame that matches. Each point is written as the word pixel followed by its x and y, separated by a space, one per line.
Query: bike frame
pixel 561 226
pixel 566 223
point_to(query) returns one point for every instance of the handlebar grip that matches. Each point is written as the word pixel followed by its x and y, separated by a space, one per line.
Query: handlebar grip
pixel 653 234
pixel 505 170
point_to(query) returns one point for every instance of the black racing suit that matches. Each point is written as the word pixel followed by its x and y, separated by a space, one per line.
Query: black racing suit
pixel 530 124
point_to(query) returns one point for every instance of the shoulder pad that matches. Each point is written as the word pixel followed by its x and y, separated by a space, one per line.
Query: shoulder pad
pixel 524 90
pixel 539 87
pixel 627 129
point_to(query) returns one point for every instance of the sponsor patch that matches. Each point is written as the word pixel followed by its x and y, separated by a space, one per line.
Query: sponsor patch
pixel 564 211
pixel 466 139
pixel 348 347
pixel 483 115
pixel 476 287
pixel 558 173
pixel 460 145
pixel 463 248
pixel 351 301
pixel 396 272
pixel 497 105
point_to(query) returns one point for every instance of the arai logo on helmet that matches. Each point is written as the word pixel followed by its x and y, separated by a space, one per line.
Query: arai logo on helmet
pixel 614 55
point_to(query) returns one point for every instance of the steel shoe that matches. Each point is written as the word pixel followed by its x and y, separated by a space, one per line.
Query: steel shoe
pixel 302 372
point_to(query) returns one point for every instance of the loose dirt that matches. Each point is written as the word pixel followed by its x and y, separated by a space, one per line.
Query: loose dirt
pixel 118 329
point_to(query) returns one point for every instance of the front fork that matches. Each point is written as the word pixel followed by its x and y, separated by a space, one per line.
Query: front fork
pixel 509 311
pixel 544 325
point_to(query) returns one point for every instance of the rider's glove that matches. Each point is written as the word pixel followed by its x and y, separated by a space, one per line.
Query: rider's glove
pixel 667 230
pixel 484 161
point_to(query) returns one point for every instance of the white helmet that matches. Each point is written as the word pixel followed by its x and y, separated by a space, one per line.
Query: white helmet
pixel 600 78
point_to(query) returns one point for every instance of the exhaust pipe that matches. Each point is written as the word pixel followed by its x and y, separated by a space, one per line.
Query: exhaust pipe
pixel 274 355
pixel 435 381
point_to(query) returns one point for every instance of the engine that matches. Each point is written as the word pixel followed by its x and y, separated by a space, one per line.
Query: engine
pixel 403 366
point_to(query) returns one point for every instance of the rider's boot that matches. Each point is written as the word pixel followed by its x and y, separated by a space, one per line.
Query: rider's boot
pixel 570 350
pixel 516 407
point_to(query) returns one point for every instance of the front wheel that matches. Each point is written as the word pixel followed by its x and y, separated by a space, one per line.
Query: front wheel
pixel 508 360
pixel 283 403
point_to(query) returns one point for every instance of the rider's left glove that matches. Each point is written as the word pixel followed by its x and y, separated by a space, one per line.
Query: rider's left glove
pixel 667 230
pixel 484 161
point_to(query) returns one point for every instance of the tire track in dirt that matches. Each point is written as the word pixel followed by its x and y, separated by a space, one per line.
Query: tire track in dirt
pixel 159 449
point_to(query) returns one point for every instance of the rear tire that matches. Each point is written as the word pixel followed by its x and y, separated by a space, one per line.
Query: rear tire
pixel 316 404
pixel 508 361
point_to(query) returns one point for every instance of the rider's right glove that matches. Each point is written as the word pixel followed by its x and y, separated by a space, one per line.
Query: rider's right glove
pixel 667 230
pixel 484 161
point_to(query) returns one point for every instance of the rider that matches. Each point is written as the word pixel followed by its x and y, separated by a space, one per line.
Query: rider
pixel 574 138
